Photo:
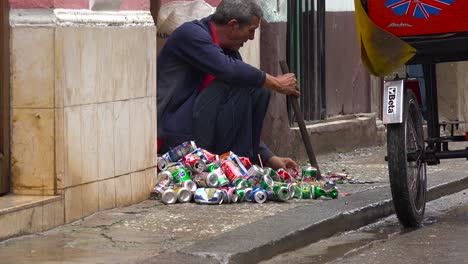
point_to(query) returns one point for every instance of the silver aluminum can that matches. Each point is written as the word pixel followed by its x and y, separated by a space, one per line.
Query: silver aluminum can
pixel 230 195
pixel 255 170
pixel 247 194
pixel 169 196
pixel 163 164
pixel 206 179
pixel 183 194
pixel 164 178
pixel 199 166
pixel 267 182
pixel 190 185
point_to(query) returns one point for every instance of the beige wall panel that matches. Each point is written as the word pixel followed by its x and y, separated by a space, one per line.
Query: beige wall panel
pixel 122 137
pixel 151 131
pixel 69 56
pixel 151 61
pixel 139 187
pixel 90 59
pixel 90 194
pixel 107 194
pixel 59 149
pixel 106 128
pixel 123 190
pixel 16 223
pixel 73 147
pixel 138 122
pixel 32 57
pixel 106 81
pixel 89 141
pixel 135 65
pixel 53 215
pixel 33 151
pixel 151 175
pixel 73 204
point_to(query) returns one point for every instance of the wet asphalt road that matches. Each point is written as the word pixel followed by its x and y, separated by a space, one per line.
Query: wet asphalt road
pixel 442 239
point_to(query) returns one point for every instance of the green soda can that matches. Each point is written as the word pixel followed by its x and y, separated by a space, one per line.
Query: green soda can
pixel 273 174
pixel 244 194
pixel 181 175
pixel 242 184
pixel 306 191
pixel 241 193
pixel 309 172
pixel 278 193
pixel 332 194
pixel 267 182
pixel 297 191
pixel 223 181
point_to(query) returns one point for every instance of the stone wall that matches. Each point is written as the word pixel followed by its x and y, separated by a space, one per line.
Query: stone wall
pixel 83 107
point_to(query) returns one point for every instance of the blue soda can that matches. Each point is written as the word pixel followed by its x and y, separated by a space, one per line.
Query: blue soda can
pixel 258 195
pixel 209 196
pixel 180 151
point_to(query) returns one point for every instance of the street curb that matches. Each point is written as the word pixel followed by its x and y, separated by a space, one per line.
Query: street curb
pixel 270 236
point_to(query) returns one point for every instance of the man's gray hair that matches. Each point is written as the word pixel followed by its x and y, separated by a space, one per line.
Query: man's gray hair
pixel 240 10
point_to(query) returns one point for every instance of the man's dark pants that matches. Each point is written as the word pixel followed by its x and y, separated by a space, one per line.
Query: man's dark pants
pixel 229 118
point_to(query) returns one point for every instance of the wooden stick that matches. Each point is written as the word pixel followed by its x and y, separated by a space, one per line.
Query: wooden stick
pixel 302 126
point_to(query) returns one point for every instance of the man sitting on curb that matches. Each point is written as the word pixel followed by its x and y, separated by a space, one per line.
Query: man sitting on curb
pixel 206 93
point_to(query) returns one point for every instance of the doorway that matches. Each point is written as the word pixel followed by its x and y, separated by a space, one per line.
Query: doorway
pixel 4 98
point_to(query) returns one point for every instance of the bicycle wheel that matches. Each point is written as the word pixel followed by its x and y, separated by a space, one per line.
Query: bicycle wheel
pixel 407 170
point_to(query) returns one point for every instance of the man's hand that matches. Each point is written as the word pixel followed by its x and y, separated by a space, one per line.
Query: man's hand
pixel 284 84
pixel 276 163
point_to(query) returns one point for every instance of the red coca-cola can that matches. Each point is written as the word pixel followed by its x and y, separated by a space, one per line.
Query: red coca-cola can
pixel 194 163
pixel 231 170
pixel 294 172
pixel 284 175
pixel 246 162
pixel 210 156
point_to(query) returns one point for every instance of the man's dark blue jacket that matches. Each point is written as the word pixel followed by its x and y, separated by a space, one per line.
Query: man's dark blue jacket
pixel 188 55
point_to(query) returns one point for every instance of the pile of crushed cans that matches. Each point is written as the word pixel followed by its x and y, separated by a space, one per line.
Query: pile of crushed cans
pixel 187 173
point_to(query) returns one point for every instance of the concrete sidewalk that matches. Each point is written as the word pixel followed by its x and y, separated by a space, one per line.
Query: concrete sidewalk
pixel 151 232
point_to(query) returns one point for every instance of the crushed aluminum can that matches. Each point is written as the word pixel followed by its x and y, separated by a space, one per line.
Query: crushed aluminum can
pixel 194 163
pixel 258 195
pixel 285 176
pixel 210 156
pixel 308 173
pixel 177 153
pixel 230 195
pixel 246 162
pixel 236 161
pixel 206 179
pixel 209 196
pixel 279 193
pixel 267 182
pixel 242 184
pixel 163 163
pixel 164 178
pixel 223 181
pixel 189 185
pixel 166 195
pixel 273 174
pixel 231 170
pixel 183 194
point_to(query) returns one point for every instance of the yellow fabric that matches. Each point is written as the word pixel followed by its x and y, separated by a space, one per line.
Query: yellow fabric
pixel 381 52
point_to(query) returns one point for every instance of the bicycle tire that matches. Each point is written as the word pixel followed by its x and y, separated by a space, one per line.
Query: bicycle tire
pixel 408 179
